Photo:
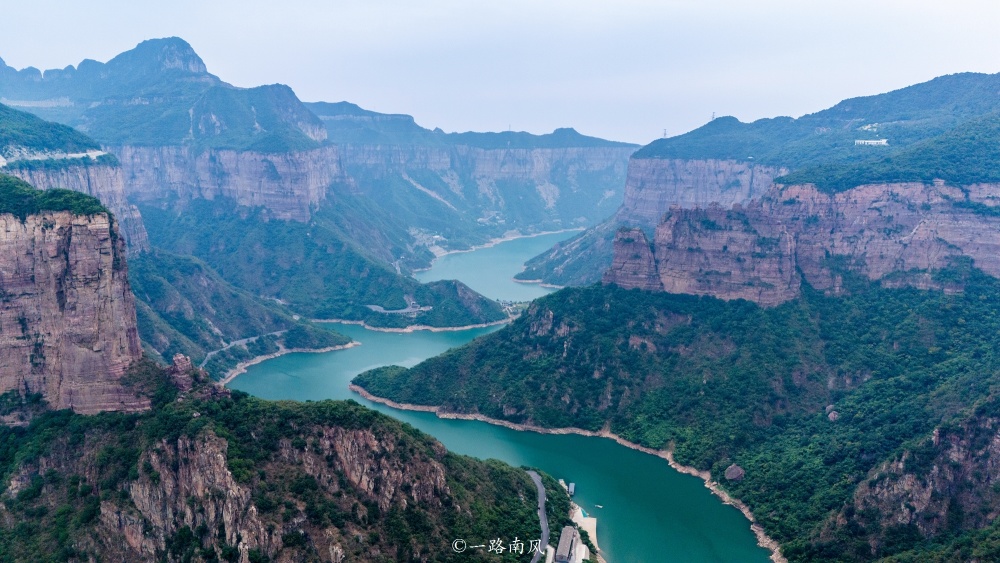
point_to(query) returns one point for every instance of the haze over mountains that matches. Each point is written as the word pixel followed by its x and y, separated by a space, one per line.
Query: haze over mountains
pixel 813 326
pixel 294 201
pixel 181 469
pixel 727 162
pixel 800 309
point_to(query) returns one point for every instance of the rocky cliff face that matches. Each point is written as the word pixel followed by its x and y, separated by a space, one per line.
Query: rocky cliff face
pixel 945 484
pixel 634 265
pixel 287 184
pixel 106 183
pixel 197 468
pixel 653 187
pixel 205 476
pixel 464 179
pixel 656 185
pixel 762 251
pixel 67 314
pixel 567 184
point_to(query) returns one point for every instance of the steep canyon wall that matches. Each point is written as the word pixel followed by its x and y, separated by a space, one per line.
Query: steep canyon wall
pixel 106 183
pixel 67 314
pixel 763 251
pixel 565 183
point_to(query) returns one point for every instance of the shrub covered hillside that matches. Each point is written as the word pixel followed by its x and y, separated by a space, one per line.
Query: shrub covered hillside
pixel 838 408
pixel 22 199
pixel 20 130
pixel 209 476
pixel 311 267
pixel 968 154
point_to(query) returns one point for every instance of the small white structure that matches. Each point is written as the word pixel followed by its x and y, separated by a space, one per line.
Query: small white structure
pixel 872 143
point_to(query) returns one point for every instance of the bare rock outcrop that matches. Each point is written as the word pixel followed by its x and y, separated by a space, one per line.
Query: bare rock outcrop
pixel 288 184
pixel 764 250
pixel 187 483
pixel 949 482
pixel 465 179
pixel 735 473
pixel 655 185
pixel 67 314
pixel 634 264
pixel 104 182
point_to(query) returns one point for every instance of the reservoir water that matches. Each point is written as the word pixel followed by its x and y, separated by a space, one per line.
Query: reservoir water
pixel 650 513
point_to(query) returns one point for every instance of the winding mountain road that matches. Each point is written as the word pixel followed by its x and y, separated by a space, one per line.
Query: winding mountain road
pixel 542 518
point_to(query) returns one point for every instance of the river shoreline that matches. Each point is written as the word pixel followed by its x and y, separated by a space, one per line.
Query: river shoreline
pixel 493 242
pixel 241 367
pixel 414 328
pixel 763 540
pixel 539 282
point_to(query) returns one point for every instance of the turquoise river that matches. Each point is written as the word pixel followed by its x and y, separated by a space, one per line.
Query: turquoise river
pixel 650 512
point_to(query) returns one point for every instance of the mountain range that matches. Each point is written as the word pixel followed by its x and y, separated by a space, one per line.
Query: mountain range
pixel 804 310
pixel 248 174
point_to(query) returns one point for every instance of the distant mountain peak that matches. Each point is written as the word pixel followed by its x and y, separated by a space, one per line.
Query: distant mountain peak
pixel 170 53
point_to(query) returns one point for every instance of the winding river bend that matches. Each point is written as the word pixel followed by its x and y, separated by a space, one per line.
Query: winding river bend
pixel 650 512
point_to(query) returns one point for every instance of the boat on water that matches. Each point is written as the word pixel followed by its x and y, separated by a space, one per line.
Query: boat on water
pixel 599 505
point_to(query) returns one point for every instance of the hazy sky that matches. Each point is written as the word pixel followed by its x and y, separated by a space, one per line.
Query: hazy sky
pixel 622 69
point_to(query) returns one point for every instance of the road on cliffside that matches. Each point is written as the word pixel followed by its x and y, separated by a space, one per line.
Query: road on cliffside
pixel 542 518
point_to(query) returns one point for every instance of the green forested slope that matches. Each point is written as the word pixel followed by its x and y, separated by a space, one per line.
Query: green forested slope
pixel 84 481
pixel 309 266
pixel 22 199
pixel 967 154
pixel 19 129
pixel 730 382
pixel 183 306
pixel 905 117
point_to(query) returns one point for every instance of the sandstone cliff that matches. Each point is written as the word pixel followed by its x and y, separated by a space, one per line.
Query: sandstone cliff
pixel 104 182
pixel 764 250
pixel 67 314
pixel 656 185
pixel 288 184
pixel 502 188
pixel 653 187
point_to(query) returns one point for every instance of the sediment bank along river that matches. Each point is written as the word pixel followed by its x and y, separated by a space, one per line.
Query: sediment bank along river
pixel 650 513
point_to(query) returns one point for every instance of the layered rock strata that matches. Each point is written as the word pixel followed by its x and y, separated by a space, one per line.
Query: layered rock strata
pixel 764 250
pixel 464 179
pixel 106 183
pixel 67 314
pixel 656 185
pixel 653 187
pixel 288 184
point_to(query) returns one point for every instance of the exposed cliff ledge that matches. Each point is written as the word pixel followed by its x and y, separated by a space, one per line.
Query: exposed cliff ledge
pixel 288 184
pixel 67 314
pixel 634 265
pixel 509 188
pixel 514 187
pixel 764 250
pixel 652 188
pixel 656 185
pixel 357 460
pixel 101 181
pixel 211 476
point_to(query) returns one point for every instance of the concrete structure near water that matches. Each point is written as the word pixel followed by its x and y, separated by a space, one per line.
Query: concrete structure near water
pixel 571 549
